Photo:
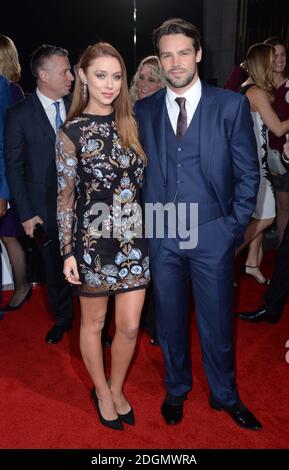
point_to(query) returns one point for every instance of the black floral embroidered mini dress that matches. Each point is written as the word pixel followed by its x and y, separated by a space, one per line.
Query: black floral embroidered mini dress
pixel 99 212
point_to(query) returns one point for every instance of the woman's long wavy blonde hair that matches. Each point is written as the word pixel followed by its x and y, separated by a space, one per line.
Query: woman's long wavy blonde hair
pixel 259 64
pixel 125 122
pixel 9 62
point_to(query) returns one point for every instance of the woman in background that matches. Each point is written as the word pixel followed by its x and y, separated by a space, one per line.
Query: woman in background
pixel 281 107
pixel 10 226
pixel 147 80
pixel 259 90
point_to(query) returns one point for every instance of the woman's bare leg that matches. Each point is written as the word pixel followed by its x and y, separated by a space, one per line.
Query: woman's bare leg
pixel 254 257
pixel 128 307
pixel 93 311
pixel 17 260
pixel 254 228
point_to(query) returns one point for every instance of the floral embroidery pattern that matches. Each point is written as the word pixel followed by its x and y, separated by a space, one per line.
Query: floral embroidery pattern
pixel 94 167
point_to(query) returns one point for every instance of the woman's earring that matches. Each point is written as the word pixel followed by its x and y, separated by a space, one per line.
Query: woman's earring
pixel 84 89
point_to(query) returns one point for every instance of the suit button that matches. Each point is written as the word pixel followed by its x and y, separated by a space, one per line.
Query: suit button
pixel 179 165
pixel 179 149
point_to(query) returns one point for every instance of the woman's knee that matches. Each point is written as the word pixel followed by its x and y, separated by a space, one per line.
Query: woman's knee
pixel 94 325
pixel 128 329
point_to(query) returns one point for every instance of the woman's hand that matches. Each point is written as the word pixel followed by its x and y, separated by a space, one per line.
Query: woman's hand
pixel 70 270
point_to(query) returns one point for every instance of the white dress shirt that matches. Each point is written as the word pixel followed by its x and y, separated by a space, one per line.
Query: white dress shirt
pixel 192 95
pixel 50 109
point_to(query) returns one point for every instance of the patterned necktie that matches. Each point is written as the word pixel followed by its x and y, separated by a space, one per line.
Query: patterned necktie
pixel 58 120
pixel 182 118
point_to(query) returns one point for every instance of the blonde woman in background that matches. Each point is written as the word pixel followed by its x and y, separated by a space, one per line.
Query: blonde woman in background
pixel 281 106
pixel 10 226
pixel 147 80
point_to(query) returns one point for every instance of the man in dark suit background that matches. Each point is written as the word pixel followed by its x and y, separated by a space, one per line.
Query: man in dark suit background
pixel 30 133
pixel 201 149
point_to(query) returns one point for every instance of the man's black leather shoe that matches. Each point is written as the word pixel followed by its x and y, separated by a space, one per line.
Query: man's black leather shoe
pixel 56 333
pixel 241 415
pixel 259 315
pixel 172 409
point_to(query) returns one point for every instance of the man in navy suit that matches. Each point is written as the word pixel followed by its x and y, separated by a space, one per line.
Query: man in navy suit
pixel 30 133
pixel 201 150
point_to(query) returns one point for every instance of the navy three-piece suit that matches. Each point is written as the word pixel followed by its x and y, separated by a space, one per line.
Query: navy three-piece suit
pixel 215 165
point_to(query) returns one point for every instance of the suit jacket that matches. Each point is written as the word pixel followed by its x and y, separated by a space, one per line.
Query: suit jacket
pixel 228 153
pixel 30 160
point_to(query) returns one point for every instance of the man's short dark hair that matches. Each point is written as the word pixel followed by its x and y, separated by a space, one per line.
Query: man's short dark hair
pixel 177 26
pixel 41 54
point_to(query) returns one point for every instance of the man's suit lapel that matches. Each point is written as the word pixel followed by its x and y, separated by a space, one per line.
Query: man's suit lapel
pixel 42 118
pixel 159 128
pixel 208 123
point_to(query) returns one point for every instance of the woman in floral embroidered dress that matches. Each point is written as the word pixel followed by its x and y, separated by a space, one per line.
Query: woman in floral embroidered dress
pixel 100 165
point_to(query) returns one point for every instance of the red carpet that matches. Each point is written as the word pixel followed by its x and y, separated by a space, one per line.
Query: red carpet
pixel 44 389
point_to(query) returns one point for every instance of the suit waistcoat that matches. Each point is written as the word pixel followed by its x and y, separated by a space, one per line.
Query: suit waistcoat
pixel 186 182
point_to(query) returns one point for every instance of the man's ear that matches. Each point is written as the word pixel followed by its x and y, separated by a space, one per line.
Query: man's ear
pixel 199 55
pixel 43 75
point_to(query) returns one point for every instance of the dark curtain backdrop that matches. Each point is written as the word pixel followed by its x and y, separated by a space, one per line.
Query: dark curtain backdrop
pixel 259 20
pixel 76 24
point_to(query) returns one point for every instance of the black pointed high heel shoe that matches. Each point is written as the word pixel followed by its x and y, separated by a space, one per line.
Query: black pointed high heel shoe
pixel 266 281
pixel 115 424
pixel 10 308
pixel 128 417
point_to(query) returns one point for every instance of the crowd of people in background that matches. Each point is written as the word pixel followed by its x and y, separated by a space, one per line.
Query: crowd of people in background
pixel 63 153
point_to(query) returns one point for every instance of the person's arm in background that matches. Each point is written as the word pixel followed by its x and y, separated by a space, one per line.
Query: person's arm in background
pixel 5 102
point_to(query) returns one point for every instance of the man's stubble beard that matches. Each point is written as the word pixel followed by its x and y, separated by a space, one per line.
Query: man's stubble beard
pixel 180 83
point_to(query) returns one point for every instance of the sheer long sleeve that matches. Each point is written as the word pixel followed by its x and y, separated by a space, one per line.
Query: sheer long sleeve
pixel 66 165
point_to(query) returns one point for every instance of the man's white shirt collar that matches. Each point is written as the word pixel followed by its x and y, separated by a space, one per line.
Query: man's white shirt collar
pixel 192 95
pixel 45 101
pixel 49 108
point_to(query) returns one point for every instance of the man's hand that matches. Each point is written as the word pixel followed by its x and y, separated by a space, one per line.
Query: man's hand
pixel 29 225
pixel 3 207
